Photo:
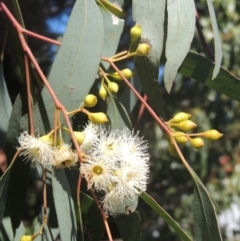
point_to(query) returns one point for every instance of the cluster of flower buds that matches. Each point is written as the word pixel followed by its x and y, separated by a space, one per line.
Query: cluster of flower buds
pixel 180 124
pixel 143 48
pixel 116 163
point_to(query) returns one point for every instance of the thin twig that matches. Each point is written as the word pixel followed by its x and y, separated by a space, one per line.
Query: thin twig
pixel 104 216
pixel 29 96
pixel 150 110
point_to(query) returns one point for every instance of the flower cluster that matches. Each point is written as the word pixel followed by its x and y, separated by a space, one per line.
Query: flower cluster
pixel 40 150
pixel 117 163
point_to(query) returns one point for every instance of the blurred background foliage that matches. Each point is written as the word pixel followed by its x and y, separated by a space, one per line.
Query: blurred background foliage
pixel 217 164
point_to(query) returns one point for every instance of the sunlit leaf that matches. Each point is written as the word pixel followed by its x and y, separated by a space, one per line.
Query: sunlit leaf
pixel 217 40
pixel 150 15
pixel 64 205
pixel 205 220
pixel 112 33
pixel 76 64
pixel 129 226
pixel 91 217
pixel 167 218
pixel 180 32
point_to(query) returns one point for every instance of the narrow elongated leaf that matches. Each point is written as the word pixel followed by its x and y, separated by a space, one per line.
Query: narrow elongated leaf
pixel 18 182
pixel 3 194
pixel 6 232
pixel 167 218
pixel 91 217
pixel 205 220
pixel 217 40
pixel 76 64
pixel 5 105
pixel 150 15
pixel 117 114
pixel 198 67
pixel 64 205
pixel 112 33
pixel 180 32
pixel 129 226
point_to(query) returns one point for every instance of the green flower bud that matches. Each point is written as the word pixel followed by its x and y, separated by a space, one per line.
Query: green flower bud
pixel 97 118
pixel 102 92
pixel 212 135
pixel 142 49
pixel 135 33
pixel 47 138
pixel 90 100
pixel 113 87
pixel 126 73
pixel 26 238
pixel 186 125
pixel 181 116
pixel 197 142
pixel 172 150
pixel 79 137
pixel 180 137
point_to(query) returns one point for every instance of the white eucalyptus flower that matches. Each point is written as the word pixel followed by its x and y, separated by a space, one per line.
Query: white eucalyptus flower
pixel 98 173
pixel 114 205
pixel 90 135
pixel 64 157
pixel 107 145
pixel 36 150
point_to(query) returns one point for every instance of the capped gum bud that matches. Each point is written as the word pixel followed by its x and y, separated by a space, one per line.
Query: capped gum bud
pixel 181 116
pixel 113 87
pixel 102 92
pixel 126 73
pixel 142 49
pixel 90 100
pixel 197 142
pixel 212 135
pixel 135 32
pixel 46 138
pixel 186 125
pixel 180 137
pixel 172 151
pixel 26 238
pixel 97 118
pixel 79 137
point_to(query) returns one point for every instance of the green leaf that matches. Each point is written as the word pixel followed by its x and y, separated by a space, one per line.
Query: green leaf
pixel 198 67
pixel 117 114
pixel 64 205
pixel 147 74
pixel 3 193
pixel 112 33
pixel 5 105
pixel 217 40
pixel 167 218
pixel 91 217
pixel 205 220
pixel 76 64
pixel 6 232
pixel 129 226
pixel 180 32
pixel 150 15
pixel 19 176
